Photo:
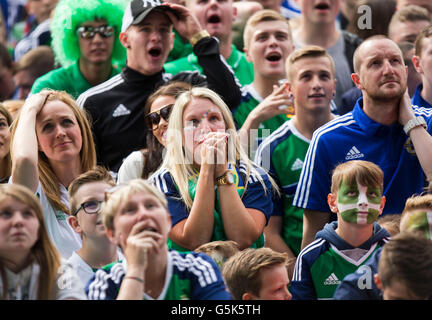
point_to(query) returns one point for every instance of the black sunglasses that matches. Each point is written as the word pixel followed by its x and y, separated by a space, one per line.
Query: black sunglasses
pixel 154 117
pixel 90 32
pixel 89 207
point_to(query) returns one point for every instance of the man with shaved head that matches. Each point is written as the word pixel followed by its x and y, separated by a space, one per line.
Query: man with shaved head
pixel 383 128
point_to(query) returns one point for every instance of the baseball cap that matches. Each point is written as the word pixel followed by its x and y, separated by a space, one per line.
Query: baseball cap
pixel 137 10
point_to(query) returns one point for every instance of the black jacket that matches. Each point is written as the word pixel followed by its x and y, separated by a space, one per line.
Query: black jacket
pixel 116 106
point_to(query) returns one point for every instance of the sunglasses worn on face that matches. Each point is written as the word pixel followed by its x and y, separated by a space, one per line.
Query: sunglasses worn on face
pixel 90 32
pixel 89 207
pixel 154 117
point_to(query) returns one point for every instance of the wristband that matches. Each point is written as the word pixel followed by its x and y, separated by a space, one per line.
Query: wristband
pixel 135 278
pixel 197 37
pixel 416 122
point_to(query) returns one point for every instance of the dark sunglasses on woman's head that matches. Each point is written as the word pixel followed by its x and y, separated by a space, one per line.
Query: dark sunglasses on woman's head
pixel 89 207
pixel 154 117
pixel 90 32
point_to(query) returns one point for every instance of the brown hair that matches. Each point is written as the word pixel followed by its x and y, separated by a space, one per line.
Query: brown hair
pixel 97 174
pixel 418 44
pixel 307 52
pixel 411 13
pixel 365 172
pixel 153 153
pixel 43 251
pixel 242 271
pixel 408 258
pixel 6 162
pixel 391 223
pixel 37 61
pixel 262 16
pixel 47 177
pixel 219 251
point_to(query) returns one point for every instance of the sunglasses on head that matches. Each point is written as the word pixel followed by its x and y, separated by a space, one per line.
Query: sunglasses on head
pixel 154 117
pixel 90 32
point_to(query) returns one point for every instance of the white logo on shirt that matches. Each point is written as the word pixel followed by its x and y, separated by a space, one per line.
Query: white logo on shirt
pixel 354 153
pixel 331 280
pixel 297 165
pixel 121 110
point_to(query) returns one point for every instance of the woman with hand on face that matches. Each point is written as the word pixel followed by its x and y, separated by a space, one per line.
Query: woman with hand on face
pixel 5 158
pixel 51 145
pixel 30 266
pixel 137 219
pixel 214 191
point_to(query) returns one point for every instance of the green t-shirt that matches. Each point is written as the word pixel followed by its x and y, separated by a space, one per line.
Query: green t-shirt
pixel 242 68
pixel 284 152
pixel 180 49
pixel 69 79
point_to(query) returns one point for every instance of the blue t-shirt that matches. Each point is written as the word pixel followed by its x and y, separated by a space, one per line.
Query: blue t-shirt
pixel 417 99
pixel 355 136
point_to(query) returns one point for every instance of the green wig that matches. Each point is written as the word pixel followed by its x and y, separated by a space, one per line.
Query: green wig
pixel 68 17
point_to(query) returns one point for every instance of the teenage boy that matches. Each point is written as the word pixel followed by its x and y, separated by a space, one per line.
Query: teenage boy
pixel 318 27
pixel 311 77
pixel 217 18
pixel 268 43
pixel 422 61
pixel 116 105
pixel 257 274
pixel 343 245
pixel 86 194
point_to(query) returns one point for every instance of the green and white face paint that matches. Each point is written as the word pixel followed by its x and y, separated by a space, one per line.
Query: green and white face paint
pixel 358 204
pixel 421 221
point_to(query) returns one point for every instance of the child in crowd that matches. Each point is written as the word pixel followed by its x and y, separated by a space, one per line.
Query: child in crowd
pixel 343 245
pixel 257 274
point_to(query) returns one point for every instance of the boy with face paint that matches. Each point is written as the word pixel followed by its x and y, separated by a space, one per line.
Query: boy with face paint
pixel 346 244
pixel 416 219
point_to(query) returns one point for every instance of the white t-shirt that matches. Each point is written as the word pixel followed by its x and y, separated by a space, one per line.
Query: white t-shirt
pixel 24 285
pixel 84 271
pixel 131 167
pixel 64 238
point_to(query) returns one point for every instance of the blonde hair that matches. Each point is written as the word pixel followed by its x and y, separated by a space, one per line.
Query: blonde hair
pixel 175 159
pixel 242 271
pixel 365 172
pixel 120 193
pixel 220 250
pixel 6 162
pixel 48 179
pixel 262 16
pixel 43 251
pixel 307 52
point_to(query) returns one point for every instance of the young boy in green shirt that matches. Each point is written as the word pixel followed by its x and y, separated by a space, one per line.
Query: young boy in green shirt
pixel 343 245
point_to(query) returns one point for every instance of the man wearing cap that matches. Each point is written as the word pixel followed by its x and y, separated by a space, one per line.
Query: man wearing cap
pixel 117 105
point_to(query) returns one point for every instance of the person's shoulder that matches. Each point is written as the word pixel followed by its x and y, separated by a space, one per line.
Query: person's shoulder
pixel 197 263
pixel 162 179
pixel 335 126
pixel 351 38
pixel 100 90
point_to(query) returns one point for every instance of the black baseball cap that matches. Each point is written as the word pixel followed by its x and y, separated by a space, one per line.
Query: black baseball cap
pixel 137 10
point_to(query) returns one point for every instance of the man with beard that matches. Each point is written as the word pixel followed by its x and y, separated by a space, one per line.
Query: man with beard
pixel 383 128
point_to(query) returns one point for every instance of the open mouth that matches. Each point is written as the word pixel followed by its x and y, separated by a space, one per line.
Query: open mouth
pixel 274 57
pixel 149 229
pixel 214 18
pixel 322 6
pixel 155 52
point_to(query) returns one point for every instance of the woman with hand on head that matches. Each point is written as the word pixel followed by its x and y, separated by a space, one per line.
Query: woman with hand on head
pixel 214 191
pixel 5 158
pixel 52 144
pixel 137 219
pixel 30 266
